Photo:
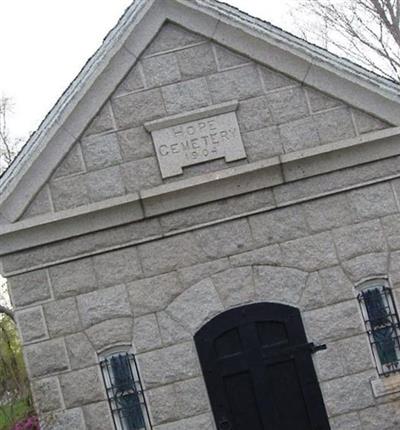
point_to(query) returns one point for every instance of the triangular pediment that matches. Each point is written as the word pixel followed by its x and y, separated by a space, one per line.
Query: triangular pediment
pixel 168 58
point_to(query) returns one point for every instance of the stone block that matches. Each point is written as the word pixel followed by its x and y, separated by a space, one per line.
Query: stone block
pixel 70 279
pixel 333 322
pixel 313 294
pixel 134 109
pixel 191 397
pixel 227 58
pixel 146 334
pixel 118 266
pixel 273 80
pixel 47 395
pixel 186 96
pixel 166 365
pixel 366 123
pixel 200 422
pixel 111 332
pixel 98 416
pixel 240 83
pixel 254 114
pixel 346 422
pixel 71 164
pixel 359 239
pixel 391 228
pixel 141 174
pixel 172 331
pixel 105 184
pixel 46 357
pixel 262 144
pixel 69 192
pixel 327 213
pixel 225 239
pixel 366 266
pixel 132 82
pixel 161 70
pixel 269 255
pixel 135 144
pixel 279 284
pixel 320 101
pixel 153 294
pixel 348 394
pixel 67 419
pixel 170 253
pixel 40 204
pixel 103 304
pixel 196 61
pixel 372 202
pixel 31 324
pixel 80 351
pixel 196 305
pixel 278 225
pixel 235 286
pixel 102 122
pixel 29 288
pixel 288 105
pixel 336 287
pixel 299 135
pixel 101 151
pixel 62 317
pixel 163 401
pixel 335 125
pixel 172 37
pixel 382 417
pixel 81 387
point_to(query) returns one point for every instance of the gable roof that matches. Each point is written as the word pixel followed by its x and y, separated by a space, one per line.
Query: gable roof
pixel 123 45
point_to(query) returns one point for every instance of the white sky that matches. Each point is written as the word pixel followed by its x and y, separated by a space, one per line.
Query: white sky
pixel 45 43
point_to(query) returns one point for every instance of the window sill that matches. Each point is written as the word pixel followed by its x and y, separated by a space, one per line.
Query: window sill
pixel 386 385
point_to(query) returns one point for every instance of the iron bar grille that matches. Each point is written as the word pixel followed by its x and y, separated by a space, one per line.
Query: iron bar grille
pixel 125 392
pixel 382 324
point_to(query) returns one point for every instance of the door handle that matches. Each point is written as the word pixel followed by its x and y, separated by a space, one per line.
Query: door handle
pixel 224 424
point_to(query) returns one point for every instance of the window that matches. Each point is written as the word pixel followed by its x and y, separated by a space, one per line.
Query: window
pixel 382 324
pixel 125 392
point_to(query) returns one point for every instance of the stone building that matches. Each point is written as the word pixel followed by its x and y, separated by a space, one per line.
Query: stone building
pixel 210 204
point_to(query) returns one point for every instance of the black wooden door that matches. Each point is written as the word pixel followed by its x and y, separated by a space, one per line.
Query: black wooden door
pixel 258 370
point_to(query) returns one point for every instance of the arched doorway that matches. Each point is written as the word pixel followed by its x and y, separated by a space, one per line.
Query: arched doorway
pixel 258 370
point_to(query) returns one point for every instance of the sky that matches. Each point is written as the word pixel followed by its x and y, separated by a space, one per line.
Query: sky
pixel 45 43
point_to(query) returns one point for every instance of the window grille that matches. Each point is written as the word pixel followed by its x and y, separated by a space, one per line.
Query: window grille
pixel 125 392
pixel 382 324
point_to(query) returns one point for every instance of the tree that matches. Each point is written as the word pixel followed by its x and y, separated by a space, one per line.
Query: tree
pixel 365 31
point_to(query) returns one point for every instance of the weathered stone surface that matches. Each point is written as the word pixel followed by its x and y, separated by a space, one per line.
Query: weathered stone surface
pixel 273 80
pixel 80 351
pixel 227 58
pixel 191 397
pixel 391 227
pixel 167 365
pixel 382 417
pixel 359 239
pixel 196 61
pixel 372 202
pixel 69 192
pixel 346 422
pixel 29 288
pixel 135 144
pixel 140 174
pixel 153 294
pixel 320 101
pixel 69 419
pixel 336 286
pixel 40 204
pixel 240 83
pixel 268 255
pixel 172 332
pixel 82 387
pixel 62 317
pixel 335 125
pixel 235 286
pixel 170 253
pixel 146 335
pixel 333 322
pixel 71 164
pixel 329 212
pixel 278 225
pixel 201 422
pixel 101 151
pixel 46 357
pixel 196 305
pixel 367 123
pixel 185 96
pixel 135 108
pixel 161 70
pixel 105 184
pixel 254 114
pixel 348 394
pixel 366 266
pixel 132 82
pixel 288 105
pixel 102 121
pixel 47 395
pixel 225 239
pixel 313 293
pixel 310 253
pixel 73 278
pixel 262 144
pixel 103 304
pixel 31 324
pixel 117 266
pixel 111 332
pixel 299 135
pixel 164 407
pixel 98 416
pixel 279 284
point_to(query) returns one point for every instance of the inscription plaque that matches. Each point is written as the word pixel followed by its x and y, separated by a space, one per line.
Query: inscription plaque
pixel 203 138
